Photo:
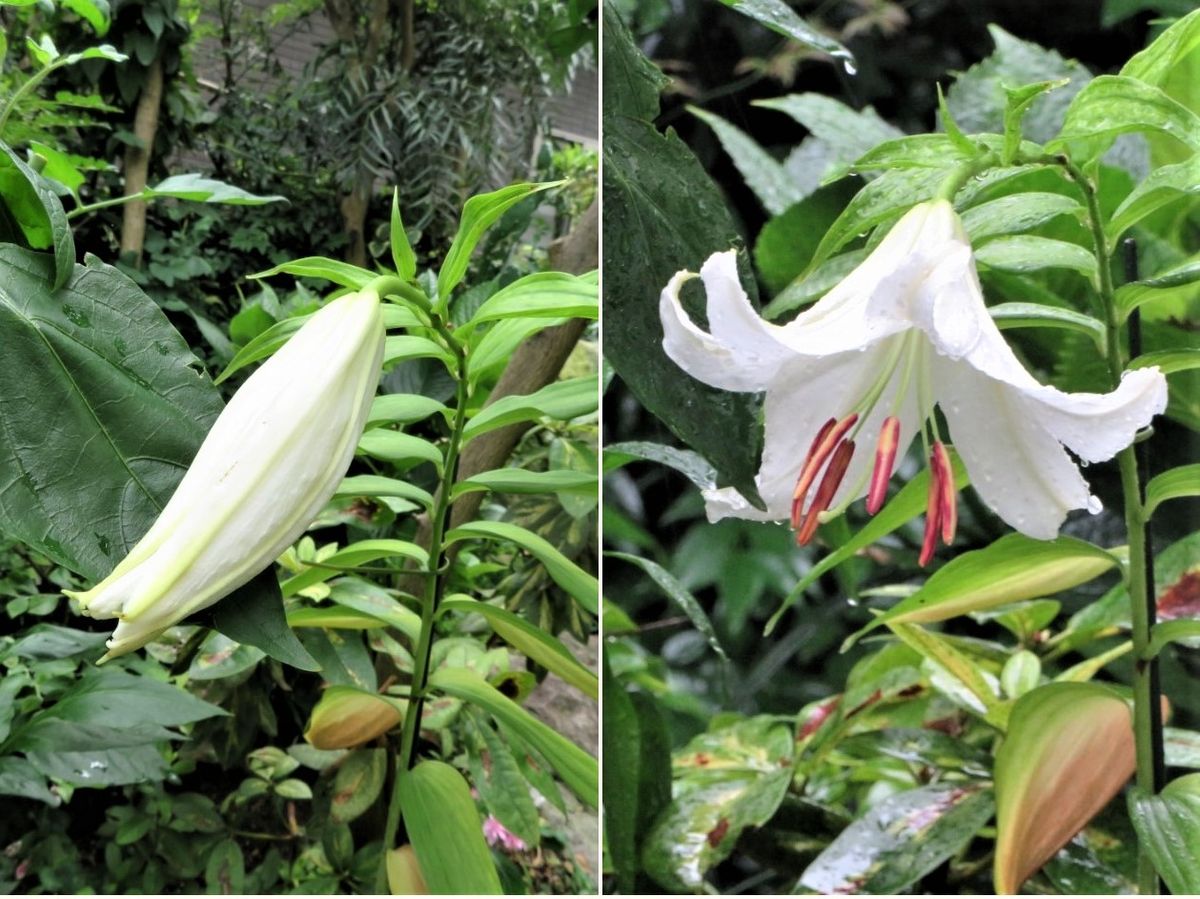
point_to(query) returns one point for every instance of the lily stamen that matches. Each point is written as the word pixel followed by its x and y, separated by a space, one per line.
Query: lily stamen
pixel 822 448
pixel 825 492
pixel 947 495
pixel 933 510
pixel 885 461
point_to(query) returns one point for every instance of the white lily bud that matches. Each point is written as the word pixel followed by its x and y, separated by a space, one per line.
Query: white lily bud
pixel 271 461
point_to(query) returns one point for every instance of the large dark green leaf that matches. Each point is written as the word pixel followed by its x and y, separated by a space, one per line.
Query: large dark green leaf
pixel 657 196
pixel 1169 825
pixel 103 411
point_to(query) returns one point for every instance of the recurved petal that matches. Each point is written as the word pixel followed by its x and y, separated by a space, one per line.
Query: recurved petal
pixel 742 353
pixel 1016 466
pixel 1097 426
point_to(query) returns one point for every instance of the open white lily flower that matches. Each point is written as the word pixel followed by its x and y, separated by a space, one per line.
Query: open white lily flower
pixel 272 459
pixel 904 332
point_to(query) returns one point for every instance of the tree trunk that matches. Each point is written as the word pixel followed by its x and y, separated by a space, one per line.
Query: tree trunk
pixel 137 163
pixel 354 207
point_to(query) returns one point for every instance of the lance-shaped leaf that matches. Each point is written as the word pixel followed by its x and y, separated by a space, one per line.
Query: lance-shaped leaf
pixel 199 189
pixel 562 400
pixel 347 716
pixel 1012 569
pixel 479 214
pixel 1168 825
pixel 541 295
pixel 1068 751
pixel 446 833
pixel 782 19
pixel 30 213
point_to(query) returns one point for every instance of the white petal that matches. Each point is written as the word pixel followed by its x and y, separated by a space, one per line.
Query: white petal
pixel 743 352
pixel 875 300
pixel 1016 466
pixel 728 503
pixel 1096 426
pixel 808 393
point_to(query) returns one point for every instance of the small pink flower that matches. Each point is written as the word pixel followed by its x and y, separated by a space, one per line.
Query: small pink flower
pixel 495 832
pixel 22 870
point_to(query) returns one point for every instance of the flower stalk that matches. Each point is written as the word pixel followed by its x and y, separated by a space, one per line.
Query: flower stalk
pixel 1147 693
pixel 434 584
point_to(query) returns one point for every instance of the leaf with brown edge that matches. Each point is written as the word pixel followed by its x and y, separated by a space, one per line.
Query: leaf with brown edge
pixel 347 716
pixel 1068 751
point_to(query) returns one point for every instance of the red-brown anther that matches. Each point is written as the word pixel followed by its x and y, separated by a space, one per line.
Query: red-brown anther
pixel 827 438
pixel 885 461
pixel 947 495
pixel 933 513
pixel 829 485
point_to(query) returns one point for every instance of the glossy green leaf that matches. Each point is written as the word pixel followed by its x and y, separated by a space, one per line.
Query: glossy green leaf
pixel 1037 315
pixel 1175 44
pixel 338 272
pixel 201 189
pixel 724 781
pixel 541 295
pixel 915 151
pixel 528 639
pixel 1168 361
pixel 774 186
pixel 691 465
pixel 1136 293
pixel 942 653
pixel 479 214
pixel 520 480
pixel 502 786
pixel 1117 104
pixel 377 485
pixel 656 194
pixel 1162 186
pixel 578 583
pixel 680 595
pixel 848 132
pixel 410 346
pixel 403 256
pixel 1017 103
pixel 253 615
pixel 1029 253
pixel 1168 825
pixel 1173 484
pixel 786 243
pixel 371 599
pixel 576 768
pixel 399 448
pixel 446 832
pixel 1068 751
pixel 1012 569
pixel 1178 630
pixel 30 212
pixel 900 840
pixel 362 552
pixel 907 504
pixel 780 18
pixel 402 409
pixel 357 784
pixel 810 287
pixel 562 400
pixel 1016 213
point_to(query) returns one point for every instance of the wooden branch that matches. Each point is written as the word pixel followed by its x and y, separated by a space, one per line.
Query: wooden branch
pixel 137 163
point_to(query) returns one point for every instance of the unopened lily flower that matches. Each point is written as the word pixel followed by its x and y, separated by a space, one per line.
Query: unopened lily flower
pixel 271 461
pixel 904 332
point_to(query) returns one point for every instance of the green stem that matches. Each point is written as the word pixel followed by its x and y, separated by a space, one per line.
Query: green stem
pixel 103 204
pixel 34 80
pixel 1147 716
pixel 434 585
pixel 955 181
